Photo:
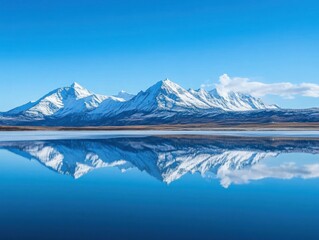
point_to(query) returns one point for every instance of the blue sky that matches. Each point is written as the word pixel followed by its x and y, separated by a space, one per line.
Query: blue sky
pixel 108 46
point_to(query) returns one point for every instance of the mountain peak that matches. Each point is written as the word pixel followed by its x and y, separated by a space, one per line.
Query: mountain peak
pixel 77 91
pixel 166 84
pixel 76 85
pixel 166 81
pixel 124 95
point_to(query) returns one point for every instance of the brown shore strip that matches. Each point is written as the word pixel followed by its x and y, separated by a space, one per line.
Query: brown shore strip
pixel 292 126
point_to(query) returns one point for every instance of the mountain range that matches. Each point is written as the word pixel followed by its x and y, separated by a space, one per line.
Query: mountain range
pixel 163 103
pixel 231 160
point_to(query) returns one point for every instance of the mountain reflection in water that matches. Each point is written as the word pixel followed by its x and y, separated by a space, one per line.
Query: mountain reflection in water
pixel 232 160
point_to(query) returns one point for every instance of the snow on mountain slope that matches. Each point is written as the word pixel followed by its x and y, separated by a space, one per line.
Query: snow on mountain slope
pixel 164 95
pixel 53 101
pixel 74 99
pixel 108 106
pixel 164 100
pixel 169 96
pixel 21 108
pixel 124 95
pixel 89 104
pixel 232 101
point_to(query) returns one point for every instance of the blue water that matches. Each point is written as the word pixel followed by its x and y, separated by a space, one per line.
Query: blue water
pixel 160 188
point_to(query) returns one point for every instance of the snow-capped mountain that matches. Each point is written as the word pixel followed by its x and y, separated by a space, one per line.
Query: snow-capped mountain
pixel 164 95
pixel 124 95
pixel 60 102
pixel 230 101
pixel 233 101
pixel 164 102
pixel 169 159
pixel 168 97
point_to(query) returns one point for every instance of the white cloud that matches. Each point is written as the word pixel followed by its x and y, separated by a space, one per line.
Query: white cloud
pixel 260 89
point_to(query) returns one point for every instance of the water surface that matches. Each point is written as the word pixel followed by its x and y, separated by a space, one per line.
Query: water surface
pixel 159 187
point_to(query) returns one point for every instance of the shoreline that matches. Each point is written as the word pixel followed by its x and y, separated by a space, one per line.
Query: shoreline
pixel 177 127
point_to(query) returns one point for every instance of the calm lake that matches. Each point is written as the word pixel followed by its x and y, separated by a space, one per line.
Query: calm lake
pixel 149 186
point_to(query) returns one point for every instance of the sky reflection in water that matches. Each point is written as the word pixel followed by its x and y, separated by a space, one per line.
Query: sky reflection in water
pixel 171 188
